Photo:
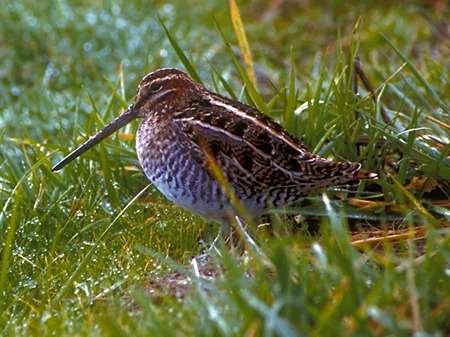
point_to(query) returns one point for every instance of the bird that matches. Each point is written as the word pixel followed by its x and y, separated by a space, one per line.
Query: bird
pixel 213 155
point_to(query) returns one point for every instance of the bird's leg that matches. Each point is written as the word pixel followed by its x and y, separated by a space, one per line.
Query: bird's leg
pixel 224 234
pixel 227 234
pixel 214 246
pixel 236 237
pixel 246 237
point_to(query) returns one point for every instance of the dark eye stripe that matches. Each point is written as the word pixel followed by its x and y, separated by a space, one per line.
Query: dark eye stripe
pixel 155 86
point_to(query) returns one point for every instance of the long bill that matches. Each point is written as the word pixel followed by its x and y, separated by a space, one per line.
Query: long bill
pixel 113 126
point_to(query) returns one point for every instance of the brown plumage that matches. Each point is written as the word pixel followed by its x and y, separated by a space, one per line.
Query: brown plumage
pixel 187 129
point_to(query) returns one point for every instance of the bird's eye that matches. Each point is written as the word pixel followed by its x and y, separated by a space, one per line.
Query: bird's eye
pixel 155 87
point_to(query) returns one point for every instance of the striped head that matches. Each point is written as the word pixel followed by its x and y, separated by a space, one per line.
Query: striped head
pixel 165 90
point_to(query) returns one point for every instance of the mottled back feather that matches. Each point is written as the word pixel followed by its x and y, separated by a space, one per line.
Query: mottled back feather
pixel 268 157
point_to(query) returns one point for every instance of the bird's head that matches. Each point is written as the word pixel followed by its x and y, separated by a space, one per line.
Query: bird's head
pixel 164 90
pixel 159 92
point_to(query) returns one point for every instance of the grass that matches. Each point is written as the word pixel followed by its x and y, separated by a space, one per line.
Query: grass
pixel 78 247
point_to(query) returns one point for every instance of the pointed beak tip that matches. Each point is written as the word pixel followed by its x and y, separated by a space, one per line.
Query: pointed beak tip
pixel 57 167
pixel 119 122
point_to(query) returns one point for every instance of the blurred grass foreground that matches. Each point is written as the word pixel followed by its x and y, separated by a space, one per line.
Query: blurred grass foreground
pixel 80 253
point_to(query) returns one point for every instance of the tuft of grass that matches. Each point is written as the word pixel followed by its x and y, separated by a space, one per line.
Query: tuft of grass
pixel 78 248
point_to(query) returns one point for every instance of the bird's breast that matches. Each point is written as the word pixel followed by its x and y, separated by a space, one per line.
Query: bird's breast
pixel 174 167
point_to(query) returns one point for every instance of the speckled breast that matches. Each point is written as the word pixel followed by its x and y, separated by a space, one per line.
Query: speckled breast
pixel 171 164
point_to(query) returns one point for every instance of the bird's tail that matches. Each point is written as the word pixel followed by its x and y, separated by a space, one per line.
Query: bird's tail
pixel 330 173
pixel 365 175
pixel 351 174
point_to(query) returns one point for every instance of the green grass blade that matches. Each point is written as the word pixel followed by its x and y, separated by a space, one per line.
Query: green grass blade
pixel 249 87
pixel 244 46
pixel 418 75
pixel 179 51
pixel 86 257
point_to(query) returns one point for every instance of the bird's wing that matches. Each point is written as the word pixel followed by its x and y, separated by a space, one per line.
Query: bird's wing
pixel 253 150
